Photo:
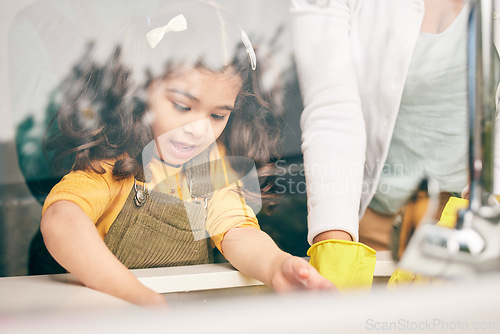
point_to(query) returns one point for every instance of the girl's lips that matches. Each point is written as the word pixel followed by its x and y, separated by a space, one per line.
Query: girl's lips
pixel 181 145
pixel 182 150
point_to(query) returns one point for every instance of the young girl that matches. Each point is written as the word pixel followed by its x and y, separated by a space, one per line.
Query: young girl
pixel 151 174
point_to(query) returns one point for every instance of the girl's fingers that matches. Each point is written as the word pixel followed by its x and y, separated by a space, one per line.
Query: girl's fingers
pixel 299 274
pixel 301 268
pixel 326 284
pixel 308 277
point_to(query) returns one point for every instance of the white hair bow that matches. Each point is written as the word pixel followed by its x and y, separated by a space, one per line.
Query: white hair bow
pixel 249 49
pixel 178 23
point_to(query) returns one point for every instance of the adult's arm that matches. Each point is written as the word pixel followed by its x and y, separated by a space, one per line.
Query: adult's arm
pixel 333 132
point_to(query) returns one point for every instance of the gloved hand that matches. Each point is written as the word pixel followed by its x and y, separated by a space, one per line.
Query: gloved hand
pixel 448 219
pixel 347 264
pixel 449 214
pixel 401 277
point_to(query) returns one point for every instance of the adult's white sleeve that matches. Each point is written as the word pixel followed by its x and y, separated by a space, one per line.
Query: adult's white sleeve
pixel 333 130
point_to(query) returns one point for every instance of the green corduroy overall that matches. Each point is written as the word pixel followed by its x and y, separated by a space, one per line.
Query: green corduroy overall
pixel 156 229
pixel 153 229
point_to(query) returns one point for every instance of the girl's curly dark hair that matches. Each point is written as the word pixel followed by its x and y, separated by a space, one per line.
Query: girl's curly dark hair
pixel 102 108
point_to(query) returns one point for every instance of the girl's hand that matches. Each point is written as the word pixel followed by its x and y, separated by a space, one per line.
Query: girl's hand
pixel 73 240
pixel 255 254
pixel 295 273
pixel 152 300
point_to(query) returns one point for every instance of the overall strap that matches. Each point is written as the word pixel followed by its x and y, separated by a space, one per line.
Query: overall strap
pixel 198 176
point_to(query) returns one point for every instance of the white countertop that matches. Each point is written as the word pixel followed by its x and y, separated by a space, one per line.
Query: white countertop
pixel 228 302
pixel 63 291
pixel 466 306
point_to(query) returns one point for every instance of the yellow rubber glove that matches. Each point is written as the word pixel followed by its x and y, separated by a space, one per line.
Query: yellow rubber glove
pixel 347 264
pixel 450 211
pixel 402 277
pixel 448 219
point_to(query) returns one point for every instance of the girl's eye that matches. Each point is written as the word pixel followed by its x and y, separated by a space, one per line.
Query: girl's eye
pixel 217 117
pixel 180 107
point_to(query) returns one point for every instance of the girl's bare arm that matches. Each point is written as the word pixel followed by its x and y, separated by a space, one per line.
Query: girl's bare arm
pixel 72 239
pixel 255 254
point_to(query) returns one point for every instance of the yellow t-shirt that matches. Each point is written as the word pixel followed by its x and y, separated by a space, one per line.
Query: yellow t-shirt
pixel 102 197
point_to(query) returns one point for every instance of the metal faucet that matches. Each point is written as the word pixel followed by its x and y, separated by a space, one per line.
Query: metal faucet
pixel 473 246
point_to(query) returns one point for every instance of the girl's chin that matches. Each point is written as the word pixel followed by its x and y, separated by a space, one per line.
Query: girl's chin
pixel 170 162
pixel 174 161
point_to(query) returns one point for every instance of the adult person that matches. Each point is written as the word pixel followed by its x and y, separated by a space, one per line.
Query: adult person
pixel 384 90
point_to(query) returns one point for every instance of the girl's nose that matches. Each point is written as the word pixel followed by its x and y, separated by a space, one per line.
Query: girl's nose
pixel 197 129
